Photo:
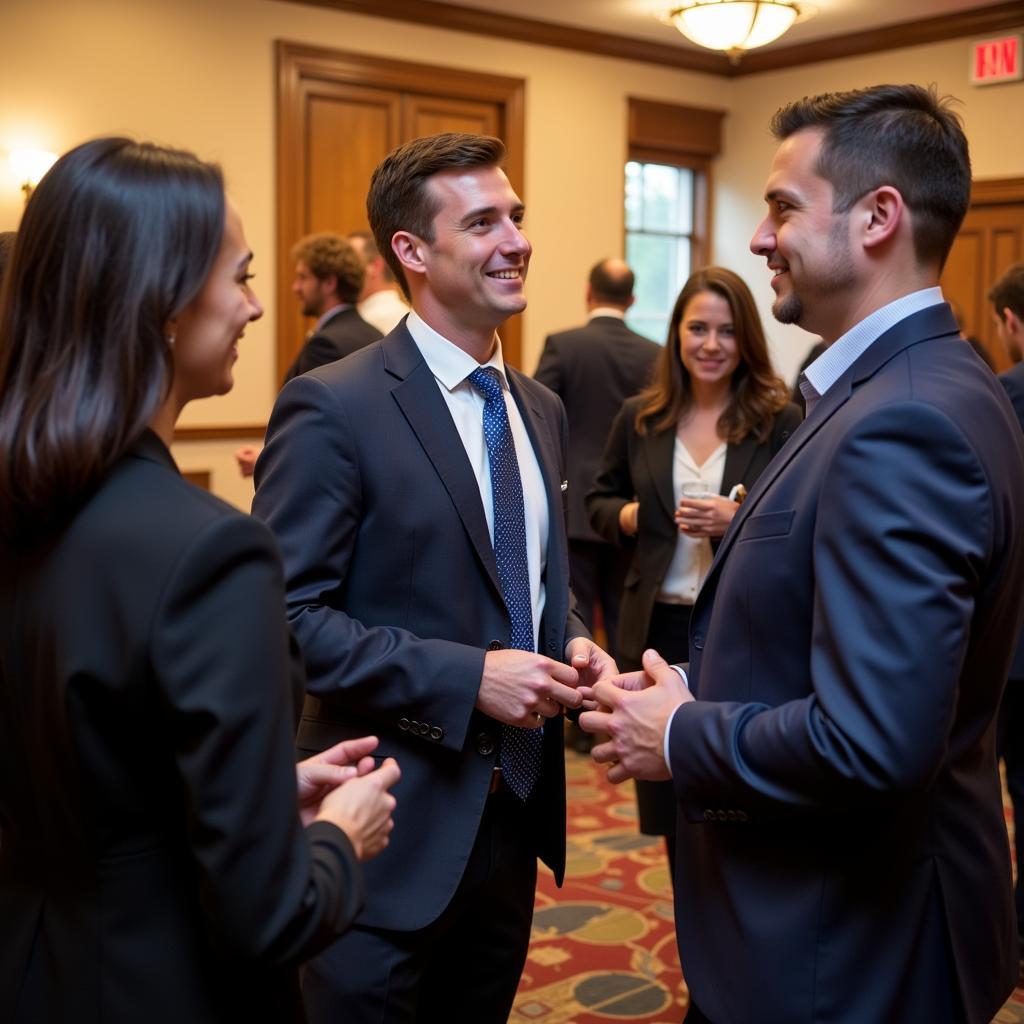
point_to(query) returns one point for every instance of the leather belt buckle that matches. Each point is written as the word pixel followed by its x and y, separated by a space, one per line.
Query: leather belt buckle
pixel 495 781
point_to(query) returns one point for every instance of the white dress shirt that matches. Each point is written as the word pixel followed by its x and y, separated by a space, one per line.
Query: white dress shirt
pixel 383 309
pixel 450 366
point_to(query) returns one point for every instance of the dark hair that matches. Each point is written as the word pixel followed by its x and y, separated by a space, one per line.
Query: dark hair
pixel 612 281
pixel 757 393
pixel 370 252
pixel 899 135
pixel 1008 291
pixel 116 239
pixel 399 200
pixel 329 255
pixel 6 248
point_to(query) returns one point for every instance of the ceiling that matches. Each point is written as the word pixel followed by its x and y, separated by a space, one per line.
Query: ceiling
pixel 636 18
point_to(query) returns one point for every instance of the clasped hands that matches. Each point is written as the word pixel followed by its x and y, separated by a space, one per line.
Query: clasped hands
pixel 634 711
pixel 524 689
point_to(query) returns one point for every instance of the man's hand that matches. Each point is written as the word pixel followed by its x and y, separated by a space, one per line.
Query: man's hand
pixel 246 458
pixel 638 708
pixel 592 664
pixel 522 688
pixel 362 808
pixel 317 776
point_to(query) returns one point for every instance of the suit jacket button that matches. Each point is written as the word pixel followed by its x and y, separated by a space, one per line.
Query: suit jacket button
pixel 423 729
pixel 495 645
pixel 552 647
pixel 403 724
pixel 485 744
pixel 731 815
pixel 698 641
pixel 709 815
pixel 742 816
pixel 437 733
pixel 722 816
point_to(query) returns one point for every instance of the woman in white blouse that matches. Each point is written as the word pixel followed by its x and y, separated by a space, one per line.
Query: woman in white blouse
pixel 677 462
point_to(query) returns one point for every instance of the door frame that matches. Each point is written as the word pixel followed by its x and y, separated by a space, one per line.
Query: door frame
pixel 298 66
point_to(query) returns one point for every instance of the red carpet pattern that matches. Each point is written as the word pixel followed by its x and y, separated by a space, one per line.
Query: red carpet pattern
pixel 603 946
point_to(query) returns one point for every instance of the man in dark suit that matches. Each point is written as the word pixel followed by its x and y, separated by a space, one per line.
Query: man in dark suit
pixel 594 369
pixel 842 850
pixel 415 488
pixel 1007 298
pixel 328 279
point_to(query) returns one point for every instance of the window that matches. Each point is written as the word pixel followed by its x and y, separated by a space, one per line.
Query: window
pixel 667 211
pixel 659 241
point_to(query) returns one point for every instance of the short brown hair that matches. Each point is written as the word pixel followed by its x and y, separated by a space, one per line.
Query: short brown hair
pixel 899 135
pixel 370 251
pixel 757 392
pixel 399 200
pixel 1008 291
pixel 327 255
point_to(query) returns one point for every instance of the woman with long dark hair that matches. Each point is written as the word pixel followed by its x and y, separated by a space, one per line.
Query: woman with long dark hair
pixel 678 460
pixel 154 864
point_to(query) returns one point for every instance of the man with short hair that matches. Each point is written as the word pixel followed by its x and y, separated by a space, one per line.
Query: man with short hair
pixel 416 490
pixel 1007 298
pixel 329 276
pixel 594 369
pixel 380 303
pixel 842 853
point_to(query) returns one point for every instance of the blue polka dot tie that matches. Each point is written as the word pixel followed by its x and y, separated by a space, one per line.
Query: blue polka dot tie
pixel 520 748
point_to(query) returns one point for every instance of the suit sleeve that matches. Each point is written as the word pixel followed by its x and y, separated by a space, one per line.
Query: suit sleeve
pixel 613 486
pixel 273 892
pixel 903 533
pixel 549 369
pixel 309 491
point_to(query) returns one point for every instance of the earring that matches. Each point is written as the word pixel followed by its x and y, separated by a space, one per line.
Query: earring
pixel 171 339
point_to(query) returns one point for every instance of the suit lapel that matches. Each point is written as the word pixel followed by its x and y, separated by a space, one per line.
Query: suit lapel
pixel 737 461
pixel 419 398
pixel 933 322
pixel 659 450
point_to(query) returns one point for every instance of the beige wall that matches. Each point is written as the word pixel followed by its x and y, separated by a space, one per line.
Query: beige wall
pixel 199 74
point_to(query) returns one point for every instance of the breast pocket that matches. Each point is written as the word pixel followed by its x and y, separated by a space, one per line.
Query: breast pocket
pixel 769 524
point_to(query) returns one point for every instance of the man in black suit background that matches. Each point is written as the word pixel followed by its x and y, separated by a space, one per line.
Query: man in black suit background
pixel 1007 298
pixel 594 369
pixel 329 276
pixel 415 489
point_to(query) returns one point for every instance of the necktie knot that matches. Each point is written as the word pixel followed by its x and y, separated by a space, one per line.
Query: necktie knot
pixel 486 380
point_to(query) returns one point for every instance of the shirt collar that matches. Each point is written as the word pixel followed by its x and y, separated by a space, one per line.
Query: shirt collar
pixel 845 350
pixel 606 311
pixel 447 362
pixel 329 314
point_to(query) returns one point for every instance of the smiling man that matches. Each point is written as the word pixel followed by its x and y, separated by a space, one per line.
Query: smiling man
pixel 415 487
pixel 842 854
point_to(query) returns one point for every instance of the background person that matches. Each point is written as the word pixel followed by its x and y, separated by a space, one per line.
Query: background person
pixel 380 301
pixel 153 864
pixel 713 418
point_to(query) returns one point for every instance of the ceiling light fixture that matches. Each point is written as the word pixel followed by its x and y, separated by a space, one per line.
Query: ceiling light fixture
pixel 735 25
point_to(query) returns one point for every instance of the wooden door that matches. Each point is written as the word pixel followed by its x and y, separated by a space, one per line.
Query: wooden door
pixel 339 115
pixel 991 238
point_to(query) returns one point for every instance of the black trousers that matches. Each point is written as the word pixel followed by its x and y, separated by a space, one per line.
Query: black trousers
pixel 464 967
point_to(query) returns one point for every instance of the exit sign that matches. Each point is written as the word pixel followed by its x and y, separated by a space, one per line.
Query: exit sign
pixel 996 60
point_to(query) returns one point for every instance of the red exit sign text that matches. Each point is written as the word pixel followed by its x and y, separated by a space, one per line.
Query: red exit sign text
pixel 996 60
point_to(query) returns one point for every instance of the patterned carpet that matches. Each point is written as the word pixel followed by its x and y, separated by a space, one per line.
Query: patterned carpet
pixel 603 947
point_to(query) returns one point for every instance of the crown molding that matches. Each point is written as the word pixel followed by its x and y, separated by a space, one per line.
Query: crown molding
pixel 436 14
pixel 239 432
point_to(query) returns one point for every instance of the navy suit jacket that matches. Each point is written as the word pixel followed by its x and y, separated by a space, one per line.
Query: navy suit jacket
pixel 842 850
pixel 346 332
pixel 394 596
pixel 1013 382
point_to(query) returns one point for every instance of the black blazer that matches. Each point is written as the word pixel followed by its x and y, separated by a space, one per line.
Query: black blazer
pixel 842 830
pixel 346 332
pixel 639 467
pixel 156 620
pixel 1013 383
pixel 394 596
pixel 593 369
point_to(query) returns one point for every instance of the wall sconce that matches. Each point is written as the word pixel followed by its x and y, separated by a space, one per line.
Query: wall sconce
pixel 29 165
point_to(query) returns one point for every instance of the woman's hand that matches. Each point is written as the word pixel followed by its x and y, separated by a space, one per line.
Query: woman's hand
pixel 628 518
pixel 705 517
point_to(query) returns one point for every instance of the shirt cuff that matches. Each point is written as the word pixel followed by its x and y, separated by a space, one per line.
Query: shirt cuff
pixel 668 726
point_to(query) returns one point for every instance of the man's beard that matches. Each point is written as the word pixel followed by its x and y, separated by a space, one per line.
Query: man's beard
pixel 835 278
